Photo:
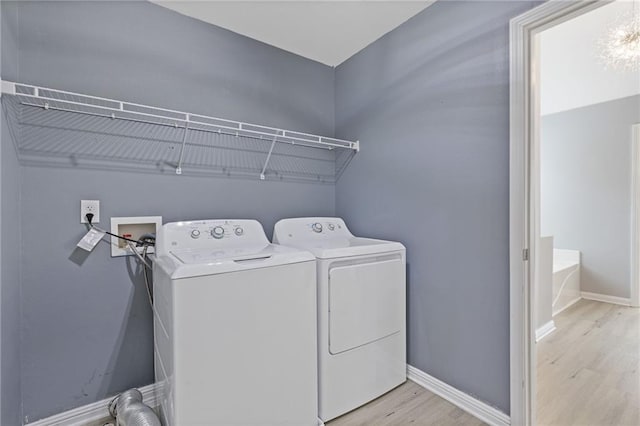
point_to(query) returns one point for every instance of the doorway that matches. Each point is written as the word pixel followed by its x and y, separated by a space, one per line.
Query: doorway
pixel 525 199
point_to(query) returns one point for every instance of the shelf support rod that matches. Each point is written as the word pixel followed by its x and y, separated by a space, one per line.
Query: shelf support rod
pixel 266 163
pixel 184 142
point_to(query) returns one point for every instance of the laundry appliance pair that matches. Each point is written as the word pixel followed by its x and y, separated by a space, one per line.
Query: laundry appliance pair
pixel 253 333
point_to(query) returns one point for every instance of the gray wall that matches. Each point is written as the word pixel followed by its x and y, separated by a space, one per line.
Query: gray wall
pixel 10 280
pixel 1 131
pixel 10 241
pixel 141 52
pixel 87 330
pixel 586 189
pixel 430 103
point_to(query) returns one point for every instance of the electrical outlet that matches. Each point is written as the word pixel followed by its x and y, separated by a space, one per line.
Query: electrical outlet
pixel 89 206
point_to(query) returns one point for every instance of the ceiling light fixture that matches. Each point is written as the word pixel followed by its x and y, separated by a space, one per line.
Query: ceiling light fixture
pixel 620 46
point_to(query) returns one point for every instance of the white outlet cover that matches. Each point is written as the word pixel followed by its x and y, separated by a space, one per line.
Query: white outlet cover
pixel 90 206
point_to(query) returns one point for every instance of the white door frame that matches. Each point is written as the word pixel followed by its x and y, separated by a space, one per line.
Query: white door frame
pixel 635 216
pixel 523 186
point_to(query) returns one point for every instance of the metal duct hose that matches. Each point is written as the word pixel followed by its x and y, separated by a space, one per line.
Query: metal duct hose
pixel 128 410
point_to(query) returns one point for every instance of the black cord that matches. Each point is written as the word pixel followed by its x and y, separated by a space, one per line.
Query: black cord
pixel 138 242
pixel 144 242
pixel 146 278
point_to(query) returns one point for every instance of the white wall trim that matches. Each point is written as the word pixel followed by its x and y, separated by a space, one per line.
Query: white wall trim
pixel 635 216
pixel 523 184
pixel 468 403
pixel 625 301
pixel 568 305
pixel 545 330
pixel 93 412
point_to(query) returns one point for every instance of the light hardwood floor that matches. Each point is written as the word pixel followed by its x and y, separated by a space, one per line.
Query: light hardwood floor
pixel 408 404
pixel 589 368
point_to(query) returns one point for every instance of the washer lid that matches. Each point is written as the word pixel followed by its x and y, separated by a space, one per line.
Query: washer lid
pixel 327 238
pixel 188 263
pixel 211 255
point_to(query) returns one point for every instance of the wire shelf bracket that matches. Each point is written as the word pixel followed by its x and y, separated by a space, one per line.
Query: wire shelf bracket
pixel 104 108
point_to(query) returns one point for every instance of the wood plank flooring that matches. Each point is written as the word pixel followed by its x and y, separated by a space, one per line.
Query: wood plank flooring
pixel 589 368
pixel 408 404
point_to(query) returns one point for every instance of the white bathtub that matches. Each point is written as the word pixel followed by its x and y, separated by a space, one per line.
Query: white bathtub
pixel 566 279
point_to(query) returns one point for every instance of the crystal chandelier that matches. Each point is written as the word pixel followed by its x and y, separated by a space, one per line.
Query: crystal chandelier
pixel 620 47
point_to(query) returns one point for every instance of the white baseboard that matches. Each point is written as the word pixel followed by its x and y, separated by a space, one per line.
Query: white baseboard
pixel 625 301
pixel 99 410
pixel 468 403
pixel 568 305
pixel 545 330
pixel 93 412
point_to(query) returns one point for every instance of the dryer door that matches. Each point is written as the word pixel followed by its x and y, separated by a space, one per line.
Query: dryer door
pixel 366 303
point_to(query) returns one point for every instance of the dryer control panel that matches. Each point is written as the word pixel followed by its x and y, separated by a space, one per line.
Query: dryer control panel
pixel 215 233
pixel 306 228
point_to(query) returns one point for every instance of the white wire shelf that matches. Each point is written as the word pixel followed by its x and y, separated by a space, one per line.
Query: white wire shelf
pixel 65 128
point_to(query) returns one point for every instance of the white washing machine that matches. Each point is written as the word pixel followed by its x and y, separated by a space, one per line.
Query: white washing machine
pixel 361 311
pixel 235 327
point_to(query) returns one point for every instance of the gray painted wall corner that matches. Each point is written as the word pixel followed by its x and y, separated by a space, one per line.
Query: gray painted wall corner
pixel 430 103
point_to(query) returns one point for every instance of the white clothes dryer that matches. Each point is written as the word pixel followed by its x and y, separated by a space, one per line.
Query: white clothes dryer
pixel 235 327
pixel 361 311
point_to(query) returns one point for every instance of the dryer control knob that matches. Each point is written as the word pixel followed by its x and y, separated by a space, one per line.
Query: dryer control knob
pixel 317 227
pixel 331 226
pixel 195 234
pixel 217 232
pixel 239 231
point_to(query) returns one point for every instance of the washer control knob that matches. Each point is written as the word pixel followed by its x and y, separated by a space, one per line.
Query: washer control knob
pixel 331 226
pixel 217 232
pixel 239 231
pixel 317 227
pixel 195 234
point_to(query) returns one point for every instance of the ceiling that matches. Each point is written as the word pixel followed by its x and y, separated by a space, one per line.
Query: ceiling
pixel 570 61
pixel 325 31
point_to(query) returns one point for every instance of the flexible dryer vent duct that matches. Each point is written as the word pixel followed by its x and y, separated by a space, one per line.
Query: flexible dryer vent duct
pixel 128 410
